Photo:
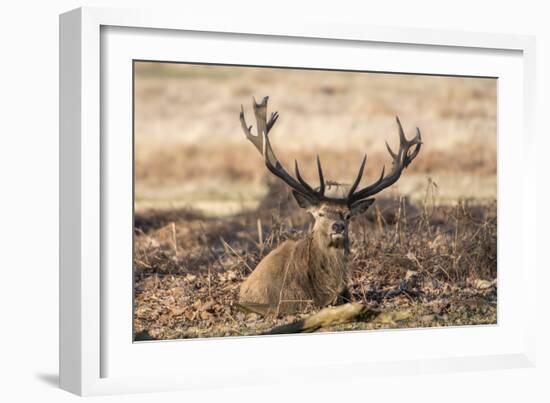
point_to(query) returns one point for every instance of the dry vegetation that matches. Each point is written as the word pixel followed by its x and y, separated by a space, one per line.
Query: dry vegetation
pixel 429 266
pixel 207 212
pixel 190 149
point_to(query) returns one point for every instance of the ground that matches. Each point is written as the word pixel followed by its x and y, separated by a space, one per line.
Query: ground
pixel 421 266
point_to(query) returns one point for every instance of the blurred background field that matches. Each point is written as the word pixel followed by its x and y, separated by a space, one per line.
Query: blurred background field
pixel 207 210
pixel 190 149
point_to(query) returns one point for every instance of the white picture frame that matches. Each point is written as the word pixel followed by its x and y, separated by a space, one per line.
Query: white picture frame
pixel 97 355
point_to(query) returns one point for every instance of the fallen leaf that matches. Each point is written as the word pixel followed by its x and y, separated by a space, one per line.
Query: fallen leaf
pixel 482 284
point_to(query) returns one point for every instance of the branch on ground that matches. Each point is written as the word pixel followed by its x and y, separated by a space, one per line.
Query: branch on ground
pixel 339 315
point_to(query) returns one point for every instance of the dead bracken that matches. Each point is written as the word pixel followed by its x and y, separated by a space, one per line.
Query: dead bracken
pixel 422 266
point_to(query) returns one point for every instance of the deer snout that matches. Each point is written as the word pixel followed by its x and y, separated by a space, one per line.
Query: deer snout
pixel 338 227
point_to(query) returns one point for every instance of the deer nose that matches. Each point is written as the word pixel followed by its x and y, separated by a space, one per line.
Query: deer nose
pixel 338 227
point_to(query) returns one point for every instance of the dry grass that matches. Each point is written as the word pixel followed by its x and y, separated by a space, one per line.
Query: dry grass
pixel 436 263
pixel 186 163
pixel 188 137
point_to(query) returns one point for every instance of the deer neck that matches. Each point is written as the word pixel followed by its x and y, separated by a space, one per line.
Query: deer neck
pixel 327 271
pixel 319 249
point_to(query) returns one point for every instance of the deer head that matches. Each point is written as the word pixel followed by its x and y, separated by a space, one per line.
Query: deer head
pixel 332 210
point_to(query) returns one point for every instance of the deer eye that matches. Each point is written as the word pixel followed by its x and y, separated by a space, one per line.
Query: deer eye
pixel 347 216
pixel 320 214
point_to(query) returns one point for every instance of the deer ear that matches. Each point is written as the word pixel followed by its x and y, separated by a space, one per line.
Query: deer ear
pixel 360 206
pixel 303 201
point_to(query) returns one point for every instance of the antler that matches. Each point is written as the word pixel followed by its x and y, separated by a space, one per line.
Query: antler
pixel 401 160
pixel 262 144
pixel 264 127
pixel 261 141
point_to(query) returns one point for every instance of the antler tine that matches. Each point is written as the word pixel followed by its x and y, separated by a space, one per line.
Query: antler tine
pixel 300 179
pixel 263 126
pixel 358 178
pixel 256 140
pixel 393 155
pixel 273 118
pixel 402 139
pixel 321 191
pixel 400 161
pixel 367 191
pixel 321 177
pixel 418 141
pixel 260 112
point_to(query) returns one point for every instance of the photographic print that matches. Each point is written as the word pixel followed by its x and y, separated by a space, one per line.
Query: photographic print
pixel 272 200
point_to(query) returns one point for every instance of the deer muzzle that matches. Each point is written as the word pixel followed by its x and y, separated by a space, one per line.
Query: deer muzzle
pixel 337 239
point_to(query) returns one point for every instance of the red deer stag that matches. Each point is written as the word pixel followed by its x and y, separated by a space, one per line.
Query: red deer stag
pixel 313 270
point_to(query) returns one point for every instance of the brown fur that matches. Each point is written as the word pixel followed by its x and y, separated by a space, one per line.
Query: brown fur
pixel 295 275
pixel 310 271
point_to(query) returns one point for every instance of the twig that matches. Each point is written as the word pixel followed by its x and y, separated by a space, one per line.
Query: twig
pixel 141 262
pixel 210 249
pixel 260 235
pixel 215 258
pixel 325 317
pixel 225 244
pixel 379 219
pixel 174 239
pixel 282 289
pixel 398 218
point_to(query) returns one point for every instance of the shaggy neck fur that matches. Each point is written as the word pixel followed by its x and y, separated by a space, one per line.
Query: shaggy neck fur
pixel 296 275
pixel 326 269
